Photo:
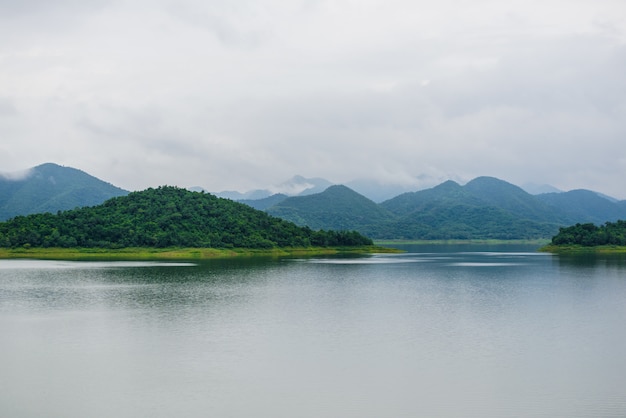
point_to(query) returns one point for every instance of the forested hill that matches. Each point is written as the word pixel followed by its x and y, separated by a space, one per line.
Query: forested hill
pixel 166 217
pixel 590 235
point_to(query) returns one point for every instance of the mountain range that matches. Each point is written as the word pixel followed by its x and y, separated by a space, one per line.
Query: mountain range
pixel 485 207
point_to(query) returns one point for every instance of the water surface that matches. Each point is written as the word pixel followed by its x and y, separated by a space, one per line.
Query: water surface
pixel 441 332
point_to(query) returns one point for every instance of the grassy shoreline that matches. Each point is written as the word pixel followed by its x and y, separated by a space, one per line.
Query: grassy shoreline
pixel 579 249
pixel 538 242
pixel 146 253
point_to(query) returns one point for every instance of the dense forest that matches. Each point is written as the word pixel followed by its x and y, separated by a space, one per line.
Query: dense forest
pixel 167 217
pixel 589 235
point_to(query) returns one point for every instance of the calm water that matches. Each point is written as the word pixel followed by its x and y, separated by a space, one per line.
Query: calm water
pixel 446 332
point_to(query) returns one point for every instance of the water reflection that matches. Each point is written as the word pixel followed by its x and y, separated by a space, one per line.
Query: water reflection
pixel 593 260
pixel 485 333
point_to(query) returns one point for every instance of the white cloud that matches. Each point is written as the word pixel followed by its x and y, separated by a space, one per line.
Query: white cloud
pixel 245 95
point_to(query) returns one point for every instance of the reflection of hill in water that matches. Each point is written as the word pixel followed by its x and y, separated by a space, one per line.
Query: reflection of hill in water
pixel 592 260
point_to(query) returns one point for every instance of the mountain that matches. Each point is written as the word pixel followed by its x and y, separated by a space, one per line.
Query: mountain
pixel 484 208
pixel 50 188
pixel 166 217
pixel 262 204
pixel 295 186
pixel 338 207
pixel 378 191
pixel 447 193
pixel 302 186
pixel 513 199
pixel 585 206
pixel 533 188
pixel 249 195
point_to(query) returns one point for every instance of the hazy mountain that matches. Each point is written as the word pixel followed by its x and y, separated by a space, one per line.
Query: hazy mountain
pixel 302 186
pixel 447 193
pixel 501 194
pixel 338 207
pixel 295 186
pixel 377 191
pixel 534 188
pixel 50 188
pixel 585 206
pixel 249 195
pixel 262 204
pixel 486 207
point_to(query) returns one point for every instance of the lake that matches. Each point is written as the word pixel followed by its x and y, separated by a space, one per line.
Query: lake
pixel 438 331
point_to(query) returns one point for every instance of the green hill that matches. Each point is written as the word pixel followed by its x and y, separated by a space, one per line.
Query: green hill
pixel 590 235
pixel 485 208
pixel 166 217
pixel 338 207
pixel 513 199
pixel 50 188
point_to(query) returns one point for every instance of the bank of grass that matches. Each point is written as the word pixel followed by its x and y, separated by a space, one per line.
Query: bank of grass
pixel 579 249
pixel 147 253
pixel 538 242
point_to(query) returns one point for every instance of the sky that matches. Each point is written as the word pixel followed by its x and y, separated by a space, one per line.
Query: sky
pixel 240 95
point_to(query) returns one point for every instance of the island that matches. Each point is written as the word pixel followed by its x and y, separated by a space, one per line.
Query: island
pixel 167 222
pixel 588 237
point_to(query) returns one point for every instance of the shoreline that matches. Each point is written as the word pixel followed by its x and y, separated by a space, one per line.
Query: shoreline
pixel 538 242
pixel 579 249
pixel 148 253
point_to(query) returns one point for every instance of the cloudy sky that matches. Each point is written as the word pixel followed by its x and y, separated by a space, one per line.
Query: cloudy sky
pixel 237 95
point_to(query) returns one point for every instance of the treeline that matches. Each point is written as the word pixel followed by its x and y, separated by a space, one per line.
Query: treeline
pixel 589 235
pixel 167 217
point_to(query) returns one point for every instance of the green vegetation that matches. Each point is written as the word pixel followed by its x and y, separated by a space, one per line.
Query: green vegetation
pixel 54 253
pixel 537 242
pixel 167 217
pixel 609 237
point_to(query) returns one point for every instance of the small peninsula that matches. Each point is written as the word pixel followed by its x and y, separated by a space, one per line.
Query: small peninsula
pixel 166 220
pixel 588 237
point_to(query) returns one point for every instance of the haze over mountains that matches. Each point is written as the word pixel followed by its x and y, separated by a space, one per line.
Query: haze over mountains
pixel 485 207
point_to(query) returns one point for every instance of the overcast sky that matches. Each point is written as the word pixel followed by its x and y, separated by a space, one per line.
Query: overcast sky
pixel 237 95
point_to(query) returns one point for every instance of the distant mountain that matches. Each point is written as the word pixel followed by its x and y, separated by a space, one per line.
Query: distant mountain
pixel 501 194
pixel 484 208
pixel 166 217
pixel 50 188
pixel 249 195
pixel 584 206
pixel 379 190
pixel 262 204
pixel 534 188
pixel 295 186
pixel 302 186
pixel 447 193
pixel 338 207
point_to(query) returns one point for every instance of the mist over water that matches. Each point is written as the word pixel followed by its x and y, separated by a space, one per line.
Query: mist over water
pixel 446 332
